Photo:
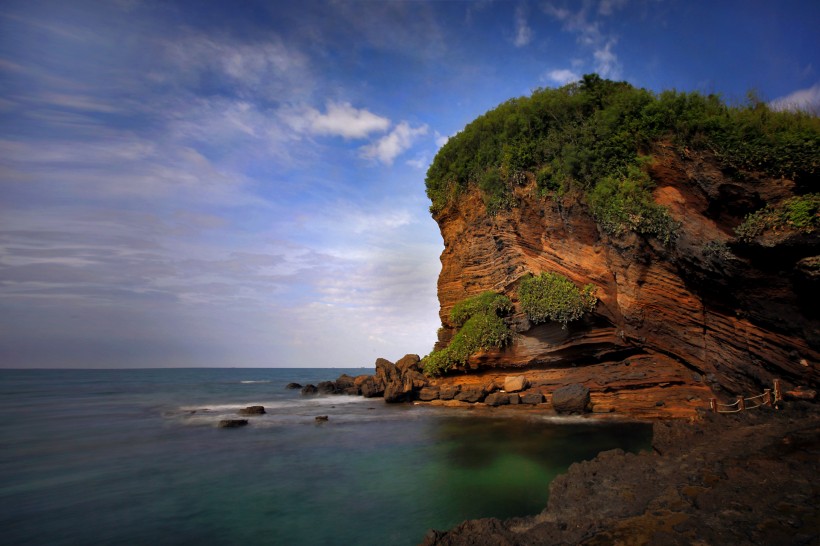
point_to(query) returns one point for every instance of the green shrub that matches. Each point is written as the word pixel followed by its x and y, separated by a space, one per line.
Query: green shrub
pixel 625 204
pixel 800 213
pixel 593 132
pixel 480 328
pixel 551 296
pixel 488 303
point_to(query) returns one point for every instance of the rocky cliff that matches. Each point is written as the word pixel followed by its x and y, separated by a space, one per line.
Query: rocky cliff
pixel 708 313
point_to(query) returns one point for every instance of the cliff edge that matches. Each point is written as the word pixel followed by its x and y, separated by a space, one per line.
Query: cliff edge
pixel 706 275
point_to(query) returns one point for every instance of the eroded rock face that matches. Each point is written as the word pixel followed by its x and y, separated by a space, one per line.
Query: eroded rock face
pixel 733 315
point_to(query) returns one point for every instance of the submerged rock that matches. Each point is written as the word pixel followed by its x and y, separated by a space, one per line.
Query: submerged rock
pixel 252 410
pixel 293 386
pixel 321 418
pixel 232 423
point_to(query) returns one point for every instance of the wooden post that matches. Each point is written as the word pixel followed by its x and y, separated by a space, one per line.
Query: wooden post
pixel 778 394
pixel 713 405
pixel 741 403
pixel 767 397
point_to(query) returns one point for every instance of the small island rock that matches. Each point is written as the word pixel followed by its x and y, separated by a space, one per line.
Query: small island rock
pixel 252 410
pixel 232 423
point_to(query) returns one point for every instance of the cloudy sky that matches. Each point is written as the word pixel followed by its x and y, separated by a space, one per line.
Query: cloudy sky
pixel 241 183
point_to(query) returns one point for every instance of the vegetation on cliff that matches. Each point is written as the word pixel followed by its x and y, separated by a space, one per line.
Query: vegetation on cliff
pixel 799 213
pixel 551 296
pixel 592 137
pixel 481 327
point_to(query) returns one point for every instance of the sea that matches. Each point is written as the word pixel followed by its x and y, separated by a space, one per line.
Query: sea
pixel 135 457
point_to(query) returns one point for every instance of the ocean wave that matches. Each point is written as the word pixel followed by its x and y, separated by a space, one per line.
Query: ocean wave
pixel 248 382
pixel 295 403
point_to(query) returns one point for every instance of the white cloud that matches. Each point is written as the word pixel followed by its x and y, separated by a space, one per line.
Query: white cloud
pixel 390 146
pixel 562 76
pixel 419 162
pixel 590 32
pixel 268 69
pixel 606 62
pixel 607 7
pixel 523 32
pixel 441 140
pixel 807 100
pixel 342 119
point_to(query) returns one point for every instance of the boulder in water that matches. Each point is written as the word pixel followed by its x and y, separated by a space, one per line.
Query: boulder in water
pixel 293 386
pixel 309 389
pixel 232 423
pixel 252 410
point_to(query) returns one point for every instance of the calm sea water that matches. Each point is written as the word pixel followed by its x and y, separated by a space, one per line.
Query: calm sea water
pixel 135 457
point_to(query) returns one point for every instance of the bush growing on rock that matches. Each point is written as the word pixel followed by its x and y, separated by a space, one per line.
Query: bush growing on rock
pixel 551 296
pixel 800 213
pixel 480 328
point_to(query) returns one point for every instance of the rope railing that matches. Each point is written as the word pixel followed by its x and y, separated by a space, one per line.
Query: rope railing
pixel 766 399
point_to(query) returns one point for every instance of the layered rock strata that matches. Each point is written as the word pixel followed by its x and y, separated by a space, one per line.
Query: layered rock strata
pixel 708 309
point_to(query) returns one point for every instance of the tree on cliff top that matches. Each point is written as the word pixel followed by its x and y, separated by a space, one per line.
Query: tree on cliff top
pixel 590 137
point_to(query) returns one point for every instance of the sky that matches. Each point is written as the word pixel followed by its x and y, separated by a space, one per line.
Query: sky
pixel 241 183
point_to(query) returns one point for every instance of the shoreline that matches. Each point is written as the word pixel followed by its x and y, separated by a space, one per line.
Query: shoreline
pixel 747 478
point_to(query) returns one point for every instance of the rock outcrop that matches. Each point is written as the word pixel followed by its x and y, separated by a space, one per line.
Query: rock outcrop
pixel 745 479
pixel 720 315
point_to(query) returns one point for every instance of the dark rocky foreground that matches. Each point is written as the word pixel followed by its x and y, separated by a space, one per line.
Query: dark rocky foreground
pixel 742 479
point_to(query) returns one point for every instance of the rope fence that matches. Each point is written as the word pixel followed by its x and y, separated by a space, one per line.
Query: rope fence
pixel 770 397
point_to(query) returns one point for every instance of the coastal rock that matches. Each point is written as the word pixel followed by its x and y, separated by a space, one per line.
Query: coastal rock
pixel 532 398
pixel 370 388
pixel 326 387
pixel 232 423
pixel 448 392
pixel 293 386
pixel 515 399
pixel 515 383
pixel 397 391
pixel 427 394
pixel 386 372
pixel 470 394
pixel 571 399
pixel 252 410
pixel 321 418
pixel 742 478
pixel 408 363
pixel 309 389
pixel 345 381
pixel 497 399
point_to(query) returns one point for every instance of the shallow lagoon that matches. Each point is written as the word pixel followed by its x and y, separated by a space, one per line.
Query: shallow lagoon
pixel 134 456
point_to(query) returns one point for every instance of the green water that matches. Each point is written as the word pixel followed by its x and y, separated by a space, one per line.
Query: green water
pixel 95 457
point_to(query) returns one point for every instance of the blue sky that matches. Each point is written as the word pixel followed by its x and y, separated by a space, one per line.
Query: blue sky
pixel 242 183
